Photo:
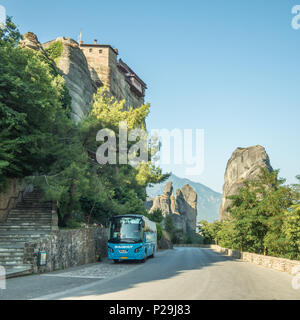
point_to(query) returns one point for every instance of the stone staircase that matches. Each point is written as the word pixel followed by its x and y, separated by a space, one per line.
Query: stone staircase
pixel 30 220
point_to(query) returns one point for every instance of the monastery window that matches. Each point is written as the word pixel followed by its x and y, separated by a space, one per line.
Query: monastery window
pixel 91 50
pixel 100 51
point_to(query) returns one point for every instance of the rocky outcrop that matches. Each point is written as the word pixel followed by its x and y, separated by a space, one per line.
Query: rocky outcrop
pixel 244 164
pixel 165 241
pixel 163 202
pixel 148 203
pixel 30 41
pixel 186 205
pixel 73 66
pixel 183 206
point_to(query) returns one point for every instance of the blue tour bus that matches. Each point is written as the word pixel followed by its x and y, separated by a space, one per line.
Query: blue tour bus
pixel 131 237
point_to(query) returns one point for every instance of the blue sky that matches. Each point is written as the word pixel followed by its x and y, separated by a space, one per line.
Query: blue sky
pixel 229 67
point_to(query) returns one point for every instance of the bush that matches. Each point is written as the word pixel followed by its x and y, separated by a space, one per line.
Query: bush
pixel 159 231
pixel 156 215
pixel 55 50
pixel 73 224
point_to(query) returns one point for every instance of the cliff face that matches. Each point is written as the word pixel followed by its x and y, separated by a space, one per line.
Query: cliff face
pixel 186 205
pixel 244 164
pixel 73 66
pixel 183 207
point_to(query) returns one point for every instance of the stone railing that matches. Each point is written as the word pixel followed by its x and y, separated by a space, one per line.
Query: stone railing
pixel 67 248
pixel 279 264
pixel 193 245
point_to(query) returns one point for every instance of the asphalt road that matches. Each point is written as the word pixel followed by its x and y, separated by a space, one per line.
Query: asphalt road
pixel 182 273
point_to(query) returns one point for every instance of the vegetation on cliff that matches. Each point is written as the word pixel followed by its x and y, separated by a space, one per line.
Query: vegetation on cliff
pixel 55 50
pixel 264 218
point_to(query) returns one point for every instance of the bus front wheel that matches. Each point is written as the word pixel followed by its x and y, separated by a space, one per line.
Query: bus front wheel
pixel 116 261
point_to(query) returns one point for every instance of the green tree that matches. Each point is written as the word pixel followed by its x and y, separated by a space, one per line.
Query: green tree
pixel 79 183
pixel 9 35
pixel 156 215
pixel 159 231
pixel 31 108
pixel 210 231
pixel 257 214
pixel 291 225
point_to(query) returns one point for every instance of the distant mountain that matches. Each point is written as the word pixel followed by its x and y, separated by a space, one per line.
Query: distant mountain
pixel 209 201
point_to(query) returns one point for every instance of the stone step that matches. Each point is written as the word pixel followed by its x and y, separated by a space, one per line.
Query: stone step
pixel 18 220
pixel 11 249
pixel 19 227
pixel 34 203
pixel 24 225
pixel 29 211
pixel 36 206
pixel 9 241
pixel 21 218
pixel 24 232
pixel 5 256
pixel 5 253
pixel 8 252
pixel 16 271
pixel 33 196
pixel 32 230
pixel 20 240
pixel 24 222
pixel 11 263
pixel 29 214
pixel 10 259
pixel 21 237
pixel 11 245
pixel 37 201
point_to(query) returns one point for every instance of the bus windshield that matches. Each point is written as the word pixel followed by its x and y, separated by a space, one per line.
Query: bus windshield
pixel 126 230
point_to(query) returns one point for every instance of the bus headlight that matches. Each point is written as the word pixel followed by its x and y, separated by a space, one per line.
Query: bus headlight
pixel 110 249
pixel 137 249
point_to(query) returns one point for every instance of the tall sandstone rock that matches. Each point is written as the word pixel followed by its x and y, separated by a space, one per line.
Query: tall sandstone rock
pixel 244 164
pixel 186 205
pixel 74 67
pixel 183 206
pixel 163 202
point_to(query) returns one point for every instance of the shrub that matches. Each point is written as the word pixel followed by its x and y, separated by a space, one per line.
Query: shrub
pixel 159 231
pixel 55 50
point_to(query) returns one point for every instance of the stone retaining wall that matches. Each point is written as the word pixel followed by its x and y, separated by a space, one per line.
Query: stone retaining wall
pixel 279 264
pixel 67 248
